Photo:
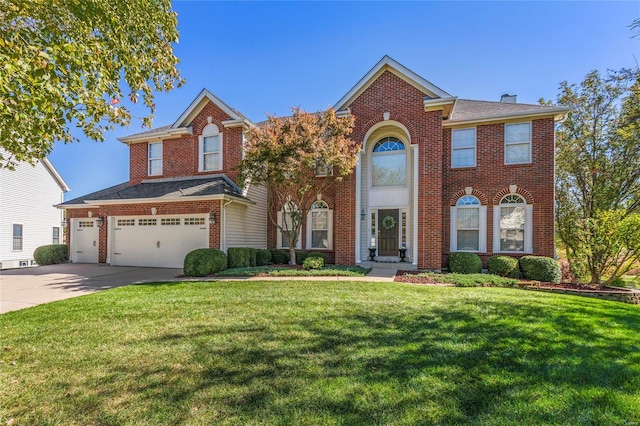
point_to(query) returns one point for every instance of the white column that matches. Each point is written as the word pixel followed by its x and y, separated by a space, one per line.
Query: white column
pixel 414 213
pixel 358 206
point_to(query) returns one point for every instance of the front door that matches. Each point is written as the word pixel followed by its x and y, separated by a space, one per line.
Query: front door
pixel 388 231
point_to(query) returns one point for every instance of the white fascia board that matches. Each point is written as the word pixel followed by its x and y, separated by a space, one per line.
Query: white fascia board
pixel 96 203
pixel 56 176
pixel 245 124
pixel 198 103
pixel 71 206
pixel 558 114
pixel 387 63
pixel 155 137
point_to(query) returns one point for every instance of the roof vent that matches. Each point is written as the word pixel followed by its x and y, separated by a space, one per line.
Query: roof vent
pixel 509 99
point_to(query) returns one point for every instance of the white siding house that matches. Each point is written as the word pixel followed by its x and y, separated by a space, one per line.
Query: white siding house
pixel 28 218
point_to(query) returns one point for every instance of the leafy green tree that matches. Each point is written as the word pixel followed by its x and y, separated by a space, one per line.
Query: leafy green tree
pixel 598 175
pixel 72 63
pixel 286 155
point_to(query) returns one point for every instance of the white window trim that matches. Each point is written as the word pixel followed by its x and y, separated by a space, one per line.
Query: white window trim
pixel 150 158
pixel 322 171
pixel 21 237
pixel 482 229
pixel 528 228
pixel 530 143
pixel 329 230
pixel 474 146
pixel 53 234
pixel 406 160
pixel 279 236
pixel 210 130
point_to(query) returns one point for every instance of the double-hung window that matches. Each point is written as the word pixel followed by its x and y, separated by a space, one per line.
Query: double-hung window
pixel 319 226
pixel 286 217
pixel 17 237
pixel 513 225
pixel 56 235
pixel 468 225
pixel 517 143
pixel 463 148
pixel 210 149
pixel 155 158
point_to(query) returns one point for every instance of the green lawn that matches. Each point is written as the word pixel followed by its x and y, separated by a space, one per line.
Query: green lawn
pixel 286 271
pixel 288 353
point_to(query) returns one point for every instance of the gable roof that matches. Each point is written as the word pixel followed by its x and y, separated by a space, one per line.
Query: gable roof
pixel 468 111
pixel 189 188
pixel 199 102
pixel 388 64
pixel 55 175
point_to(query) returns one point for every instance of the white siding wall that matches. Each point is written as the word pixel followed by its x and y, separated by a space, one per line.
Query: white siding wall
pixel 27 196
pixel 246 226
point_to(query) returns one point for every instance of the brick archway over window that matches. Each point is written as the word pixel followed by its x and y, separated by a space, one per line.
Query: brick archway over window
pixel 364 129
pixel 478 194
pixel 506 191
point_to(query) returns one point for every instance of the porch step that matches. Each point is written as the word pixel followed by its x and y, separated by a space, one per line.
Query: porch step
pixel 401 266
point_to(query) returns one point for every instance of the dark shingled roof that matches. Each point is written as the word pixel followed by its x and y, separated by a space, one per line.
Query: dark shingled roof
pixel 150 132
pixel 193 186
pixel 466 109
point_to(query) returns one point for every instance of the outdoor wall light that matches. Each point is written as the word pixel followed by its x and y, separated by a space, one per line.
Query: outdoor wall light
pixel 100 221
pixel 64 223
pixel 363 214
pixel 212 218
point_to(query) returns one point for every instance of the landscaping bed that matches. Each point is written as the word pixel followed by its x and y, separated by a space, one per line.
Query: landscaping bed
pixel 294 271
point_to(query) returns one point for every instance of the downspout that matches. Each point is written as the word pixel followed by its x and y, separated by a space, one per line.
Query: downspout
pixel 224 225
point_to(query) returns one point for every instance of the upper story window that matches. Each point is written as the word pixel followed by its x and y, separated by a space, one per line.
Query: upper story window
pixel 319 226
pixel 389 163
pixel 463 147
pixel 210 149
pixel 323 169
pixel 155 158
pixel 517 143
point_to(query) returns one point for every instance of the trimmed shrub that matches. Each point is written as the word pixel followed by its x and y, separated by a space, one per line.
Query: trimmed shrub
pixel 263 257
pixel 203 262
pixel 505 266
pixel 301 256
pixel 241 257
pixel 318 254
pixel 313 262
pixel 50 254
pixel 465 263
pixel 540 268
pixel 279 257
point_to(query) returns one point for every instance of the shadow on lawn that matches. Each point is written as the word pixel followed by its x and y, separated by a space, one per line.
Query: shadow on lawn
pixel 446 364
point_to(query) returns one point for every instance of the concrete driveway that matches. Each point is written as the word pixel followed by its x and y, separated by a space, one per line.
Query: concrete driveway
pixel 23 288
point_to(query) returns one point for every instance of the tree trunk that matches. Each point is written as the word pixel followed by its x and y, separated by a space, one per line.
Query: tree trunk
pixel 292 254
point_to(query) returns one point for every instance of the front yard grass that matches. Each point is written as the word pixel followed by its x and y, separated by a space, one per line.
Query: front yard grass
pixel 295 352
pixel 287 271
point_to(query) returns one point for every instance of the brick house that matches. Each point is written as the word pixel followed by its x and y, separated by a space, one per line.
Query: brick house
pixel 435 174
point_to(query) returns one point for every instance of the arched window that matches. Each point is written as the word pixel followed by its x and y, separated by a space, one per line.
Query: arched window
pixel 468 225
pixel 512 224
pixel 285 217
pixel 320 226
pixel 389 163
pixel 210 149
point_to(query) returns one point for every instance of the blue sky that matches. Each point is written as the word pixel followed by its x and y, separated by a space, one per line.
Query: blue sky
pixel 265 57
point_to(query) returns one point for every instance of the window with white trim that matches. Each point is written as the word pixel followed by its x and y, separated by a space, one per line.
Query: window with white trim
pixel 320 226
pixel 17 236
pixel 463 147
pixel 517 143
pixel 468 225
pixel 285 218
pixel 389 163
pixel 210 149
pixel 322 169
pixel 55 238
pixel 513 225
pixel 155 158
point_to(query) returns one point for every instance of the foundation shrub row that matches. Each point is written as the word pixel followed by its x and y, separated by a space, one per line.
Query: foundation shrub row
pixel 537 268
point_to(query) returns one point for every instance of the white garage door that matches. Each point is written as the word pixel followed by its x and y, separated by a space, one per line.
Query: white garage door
pixel 84 241
pixel 158 241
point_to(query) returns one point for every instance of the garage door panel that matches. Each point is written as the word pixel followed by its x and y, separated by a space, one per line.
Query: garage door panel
pixel 158 241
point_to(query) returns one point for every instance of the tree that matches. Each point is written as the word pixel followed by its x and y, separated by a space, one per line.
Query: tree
pixel 598 177
pixel 64 63
pixel 285 154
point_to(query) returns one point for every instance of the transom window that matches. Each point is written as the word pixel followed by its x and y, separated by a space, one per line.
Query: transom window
pixel 389 163
pixel 155 159
pixel 210 149
pixel 517 143
pixel 319 226
pixel 463 148
pixel 512 223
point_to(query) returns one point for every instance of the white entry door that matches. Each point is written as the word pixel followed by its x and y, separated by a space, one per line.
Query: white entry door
pixel 84 241
pixel 157 241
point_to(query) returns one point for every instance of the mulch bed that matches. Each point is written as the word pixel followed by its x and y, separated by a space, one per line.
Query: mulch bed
pixel 411 277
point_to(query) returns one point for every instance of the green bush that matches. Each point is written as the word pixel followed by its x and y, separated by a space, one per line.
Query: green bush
pixel 301 256
pixel 263 257
pixel 51 254
pixel 279 257
pixel 465 263
pixel 318 254
pixel 313 262
pixel 540 268
pixel 203 262
pixel 241 257
pixel 505 266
